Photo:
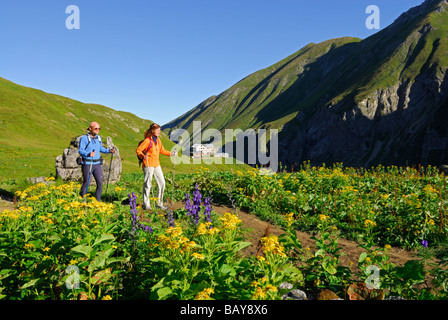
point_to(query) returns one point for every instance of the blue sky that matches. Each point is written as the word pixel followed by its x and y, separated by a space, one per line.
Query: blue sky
pixel 159 59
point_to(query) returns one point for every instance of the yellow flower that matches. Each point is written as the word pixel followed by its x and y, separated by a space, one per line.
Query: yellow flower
pixel 289 218
pixel 271 288
pixel 202 228
pixel 230 221
pixel 73 261
pixel 174 232
pixel 26 209
pixel 205 294
pixel 198 256
pixel 206 228
pixel 259 293
pixel 430 190
pixel 28 246
pixel 271 244
pixel 387 246
pixel 108 297
pixel 49 179
pixel 46 249
pixel 369 223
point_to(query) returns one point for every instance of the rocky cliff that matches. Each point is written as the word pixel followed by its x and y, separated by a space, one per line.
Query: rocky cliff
pixel 397 111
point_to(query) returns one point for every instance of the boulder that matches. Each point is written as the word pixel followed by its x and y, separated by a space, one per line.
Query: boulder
pixel 68 170
pixel 327 294
pixel 295 294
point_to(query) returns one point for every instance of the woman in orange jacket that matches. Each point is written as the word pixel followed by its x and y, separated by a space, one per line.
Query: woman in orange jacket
pixel 149 151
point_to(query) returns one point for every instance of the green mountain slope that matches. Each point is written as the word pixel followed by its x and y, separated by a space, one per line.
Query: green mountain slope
pixel 348 99
pixel 240 105
pixel 35 127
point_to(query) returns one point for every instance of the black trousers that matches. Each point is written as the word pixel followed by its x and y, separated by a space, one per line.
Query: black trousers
pixel 97 172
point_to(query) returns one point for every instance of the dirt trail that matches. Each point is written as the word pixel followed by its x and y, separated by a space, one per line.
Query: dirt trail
pixel 255 229
pixel 4 204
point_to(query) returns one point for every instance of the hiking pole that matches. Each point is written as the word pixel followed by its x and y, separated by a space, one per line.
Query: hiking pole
pixel 172 190
pixel 108 178
pixel 88 180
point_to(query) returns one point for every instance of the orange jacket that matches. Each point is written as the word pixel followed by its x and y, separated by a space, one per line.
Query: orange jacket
pixel 152 157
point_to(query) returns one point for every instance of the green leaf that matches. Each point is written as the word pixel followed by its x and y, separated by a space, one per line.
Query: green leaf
pixel 412 270
pixel 160 259
pixel 227 270
pixel 158 285
pixel 242 244
pixel 294 274
pixel 101 276
pixel 329 267
pixel 320 252
pixel 118 259
pixel 164 293
pixel 100 260
pixel 54 237
pixel 85 250
pixel 29 284
pixel 104 237
pixel 362 257
pixel 5 273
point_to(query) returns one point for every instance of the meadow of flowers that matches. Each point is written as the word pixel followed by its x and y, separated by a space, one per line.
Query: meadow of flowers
pixel 55 245
pixel 401 206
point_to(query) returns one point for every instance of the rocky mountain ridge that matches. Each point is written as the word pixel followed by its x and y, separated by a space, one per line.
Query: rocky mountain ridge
pixel 381 100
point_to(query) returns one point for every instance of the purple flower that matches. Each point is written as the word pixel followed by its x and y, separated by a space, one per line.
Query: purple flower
pixel 187 204
pixel 170 217
pixel 208 209
pixel 135 224
pixel 194 208
pixel 424 243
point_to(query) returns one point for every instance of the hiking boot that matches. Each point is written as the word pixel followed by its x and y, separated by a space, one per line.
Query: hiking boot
pixel 161 206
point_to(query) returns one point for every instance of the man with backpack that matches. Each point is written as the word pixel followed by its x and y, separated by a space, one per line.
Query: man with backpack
pixel 90 147
pixel 148 152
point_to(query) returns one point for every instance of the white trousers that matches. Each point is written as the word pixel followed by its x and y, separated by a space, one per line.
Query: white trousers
pixel 149 172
